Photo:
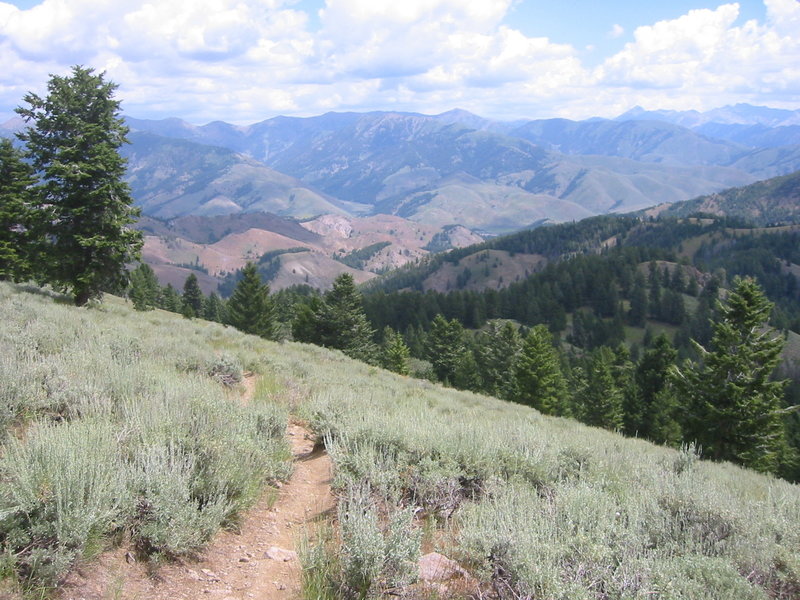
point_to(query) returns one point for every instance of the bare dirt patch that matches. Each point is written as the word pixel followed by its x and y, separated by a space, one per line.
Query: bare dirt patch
pixel 257 561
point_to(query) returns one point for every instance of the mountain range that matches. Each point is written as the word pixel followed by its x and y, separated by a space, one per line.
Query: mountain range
pixel 457 167
pixel 433 175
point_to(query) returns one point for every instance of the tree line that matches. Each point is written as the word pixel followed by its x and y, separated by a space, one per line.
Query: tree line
pixel 65 211
pixel 723 397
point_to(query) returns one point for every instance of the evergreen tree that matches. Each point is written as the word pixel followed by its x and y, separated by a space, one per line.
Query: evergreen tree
pixel 466 376
pixel 16 179
pixel 83 206
pixel 638 309
pixel 672 308
pixel 337 320
pixel 344 324
pixel 307 325
pixel 677 281
pixel 394 352
pixel 444 347
pixel 496 352
pixel 601 398
pixel 250 308
pixel 192 301
pixel 214 309
pixel 736 408
pixel 655 292
pixel 170 299
pixel 539 381
pixel 144 290
pixel 656 416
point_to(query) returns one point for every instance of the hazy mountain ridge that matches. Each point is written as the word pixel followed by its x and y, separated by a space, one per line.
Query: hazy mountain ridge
pixel 457 167
pixel 773 201
pixel 175 177
pixel 216 245
pixel 499 262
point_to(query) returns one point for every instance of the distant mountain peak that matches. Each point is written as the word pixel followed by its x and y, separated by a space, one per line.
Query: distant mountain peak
pixel 737 114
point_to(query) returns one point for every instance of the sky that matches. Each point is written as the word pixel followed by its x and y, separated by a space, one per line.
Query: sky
pixel 243 61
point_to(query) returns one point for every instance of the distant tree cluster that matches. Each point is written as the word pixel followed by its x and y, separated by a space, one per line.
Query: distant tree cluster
pixel 725 400
pixel 723 397
pixel 65 211
pixel 251 308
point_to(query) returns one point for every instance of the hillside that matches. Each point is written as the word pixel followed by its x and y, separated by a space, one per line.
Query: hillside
pixel 532 505
pixel 173 178
pixel 453 168
pixel 458 168
pixel 767 202
pixel 212 247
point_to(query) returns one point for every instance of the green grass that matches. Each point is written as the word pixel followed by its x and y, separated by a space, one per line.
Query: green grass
pixel 115 421
pixel 533 506
pixel 548 508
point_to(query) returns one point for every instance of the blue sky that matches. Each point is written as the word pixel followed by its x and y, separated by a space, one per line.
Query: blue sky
pixel 247 60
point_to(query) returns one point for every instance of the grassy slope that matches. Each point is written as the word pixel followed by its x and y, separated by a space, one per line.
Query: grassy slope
pixel 117 421
pixel 540 506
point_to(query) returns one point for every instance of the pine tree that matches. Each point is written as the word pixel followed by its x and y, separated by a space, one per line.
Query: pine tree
pixel 192 301
pixel 496 351
pixel 144 290
pixel 83 205
pixel 214 309
pixel 466 376
pixel 537 372
pixel 16 180
pixel 250 308
pixel 638 310
pixel 394 352
pixel 170 299
pixel 306 325
pixel 344 324
pixel 444 347
pixel 736 408
pixel 602 399
pixel 655 292
pixel 656 414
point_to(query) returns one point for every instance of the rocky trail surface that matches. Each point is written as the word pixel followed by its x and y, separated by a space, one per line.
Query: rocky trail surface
pixel 258 561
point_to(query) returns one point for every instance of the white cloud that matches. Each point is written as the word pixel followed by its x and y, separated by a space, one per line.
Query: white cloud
pixel 245 60
pixel 705 58
pixel 617 31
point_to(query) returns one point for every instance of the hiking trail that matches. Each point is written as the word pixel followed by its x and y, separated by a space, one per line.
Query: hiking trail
pixel 258 561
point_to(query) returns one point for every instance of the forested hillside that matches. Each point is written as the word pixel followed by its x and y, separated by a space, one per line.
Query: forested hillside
pixel 519 499
pixel 616 308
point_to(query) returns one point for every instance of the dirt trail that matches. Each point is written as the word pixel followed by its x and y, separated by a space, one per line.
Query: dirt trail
pixel 257 562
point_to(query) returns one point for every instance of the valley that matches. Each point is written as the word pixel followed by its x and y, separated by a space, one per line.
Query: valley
pixel 419 176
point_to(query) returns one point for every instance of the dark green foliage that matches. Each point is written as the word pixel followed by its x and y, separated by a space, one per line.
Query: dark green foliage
pixel 83 206
pixel 466 375
pixel 539 381
pixel 444 347
pixel 337 320
pixel 637 313
pixel 601 397
pixel 357 259
pixel 192 301
pixel 496 351
pixel 736 407
pixel 214 309
pixel 170 299
pixel 16 179
pixel 306 325
pixel 250 308
pixel 654 411
pixel 394 352
pixel 143 289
